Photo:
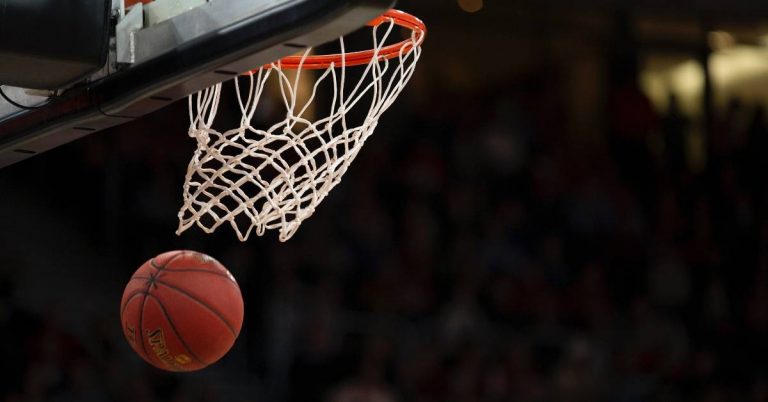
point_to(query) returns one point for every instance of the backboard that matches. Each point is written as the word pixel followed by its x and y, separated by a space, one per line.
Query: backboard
pixel 157 56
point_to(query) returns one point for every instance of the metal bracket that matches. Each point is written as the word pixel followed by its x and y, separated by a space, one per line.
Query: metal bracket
pixel 118 9
pixel 125 34
pixel 162 10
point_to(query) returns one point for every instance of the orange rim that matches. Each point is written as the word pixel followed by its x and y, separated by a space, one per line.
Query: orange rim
pixel 322 62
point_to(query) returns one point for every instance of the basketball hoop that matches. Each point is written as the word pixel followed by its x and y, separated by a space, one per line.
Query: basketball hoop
pixel 256 179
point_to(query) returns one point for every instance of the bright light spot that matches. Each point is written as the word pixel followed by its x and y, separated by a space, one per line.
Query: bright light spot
pixel 741 67
pixel 686 80
pixel 471 6
pixel 738 72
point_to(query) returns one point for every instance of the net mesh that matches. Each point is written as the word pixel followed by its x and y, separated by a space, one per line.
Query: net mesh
pixel 259 178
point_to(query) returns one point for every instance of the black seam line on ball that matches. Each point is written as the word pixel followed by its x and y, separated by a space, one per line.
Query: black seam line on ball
pixel 160 268
pixel 222 274
pixel 175 331
pixel 141 321
pixel 129 299
pixel 195 299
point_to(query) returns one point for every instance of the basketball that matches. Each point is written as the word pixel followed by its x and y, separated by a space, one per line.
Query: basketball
pixel 181 311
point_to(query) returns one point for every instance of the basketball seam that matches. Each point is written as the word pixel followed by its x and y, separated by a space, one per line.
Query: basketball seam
pixel 159 268
pixel 195 299
pixel 141 323
pixel 221 274
pixel 175 331
pixel 129 299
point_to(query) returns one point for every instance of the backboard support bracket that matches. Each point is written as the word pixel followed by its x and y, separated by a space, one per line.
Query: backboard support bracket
pixel 189 52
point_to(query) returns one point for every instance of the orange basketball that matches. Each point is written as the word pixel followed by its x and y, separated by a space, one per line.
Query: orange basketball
pixel 182 311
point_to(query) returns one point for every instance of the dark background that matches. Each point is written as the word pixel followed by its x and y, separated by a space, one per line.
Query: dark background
pixel 554 210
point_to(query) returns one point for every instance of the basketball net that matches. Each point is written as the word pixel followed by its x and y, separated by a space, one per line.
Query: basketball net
pixel 259 178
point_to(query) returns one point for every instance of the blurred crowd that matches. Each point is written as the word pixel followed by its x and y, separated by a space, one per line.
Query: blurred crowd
pixel 477 251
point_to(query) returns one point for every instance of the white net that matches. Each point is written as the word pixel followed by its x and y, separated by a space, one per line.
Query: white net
pixel 259 178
